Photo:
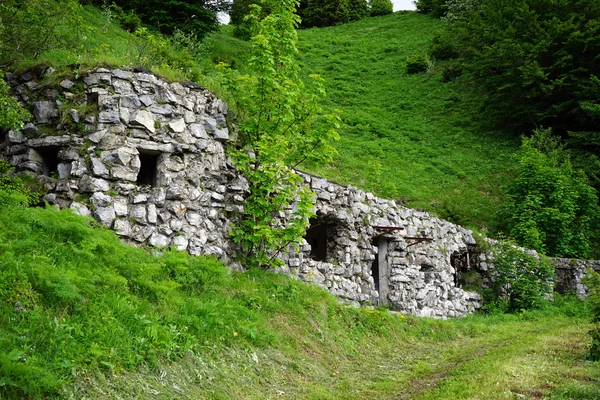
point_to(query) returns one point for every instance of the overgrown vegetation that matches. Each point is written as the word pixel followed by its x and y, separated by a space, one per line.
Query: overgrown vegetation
pixel 549 206
pixel 519 281
pixel 533 62
pixel 592 281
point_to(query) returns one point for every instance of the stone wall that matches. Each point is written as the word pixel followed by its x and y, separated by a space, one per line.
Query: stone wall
pixel 142 156
pixel 569 273
pixel 147 159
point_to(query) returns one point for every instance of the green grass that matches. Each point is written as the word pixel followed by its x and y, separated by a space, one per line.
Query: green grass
pixel 409 137
pixel 83 315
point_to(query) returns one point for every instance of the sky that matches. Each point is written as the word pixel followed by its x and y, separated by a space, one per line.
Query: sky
pixel 403 5
pixel 398 5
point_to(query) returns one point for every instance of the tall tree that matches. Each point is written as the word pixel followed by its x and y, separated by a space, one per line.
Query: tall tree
pixel 280 125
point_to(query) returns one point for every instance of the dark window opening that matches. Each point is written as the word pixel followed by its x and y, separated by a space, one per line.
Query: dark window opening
pixel 317 237
pixel 50 160
pixel 148 169
pixel 375 271
pixel 466 275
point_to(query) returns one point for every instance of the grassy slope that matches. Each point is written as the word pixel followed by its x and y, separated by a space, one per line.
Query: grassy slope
pixel 410 137
pixel 85 316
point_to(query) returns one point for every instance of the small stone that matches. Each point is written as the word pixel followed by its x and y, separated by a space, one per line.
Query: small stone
pixel 99 168
pixel 30 130
pixel 80 209
pixel 198 131
pixel 43 111
pixel 118 73
pixel 146 100
pixel 180 243
pixel 131 101
pixel 67 84
pixel 158 240
pixel 74 115
pixel 210 124
pixel 177 126
pixel 101 200
pixel 145 119
pixel 105 215
pixel 109 117
pixel 222 135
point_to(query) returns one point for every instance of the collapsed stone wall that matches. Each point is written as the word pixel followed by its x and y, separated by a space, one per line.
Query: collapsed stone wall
pixel 147 159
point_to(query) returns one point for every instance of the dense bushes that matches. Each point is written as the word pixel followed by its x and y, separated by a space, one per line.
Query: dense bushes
pixel 190 16
pixel 549 206
pixel 316 13
pixel 331 12
pixel 533 62
pixel 380 7
pixel 520 281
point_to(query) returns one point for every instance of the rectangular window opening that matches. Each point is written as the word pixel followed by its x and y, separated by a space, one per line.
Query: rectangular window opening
pixel 50 160
pixel 316 236
pixel 148 169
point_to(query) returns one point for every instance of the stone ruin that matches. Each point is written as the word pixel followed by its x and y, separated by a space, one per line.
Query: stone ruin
pixel 147 158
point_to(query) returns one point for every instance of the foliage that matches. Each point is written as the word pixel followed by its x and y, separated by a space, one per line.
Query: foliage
pixel 280 126
pixel 548 205
pixel 31 27
pixel 380 7
pixel 190 16
pixel 12 189
pixel 519 280
pixel 321 13
pixel 12 114
pixel 533 62
pixel 592 281
pixel 128 20
pixel 437 8
pixel 417 63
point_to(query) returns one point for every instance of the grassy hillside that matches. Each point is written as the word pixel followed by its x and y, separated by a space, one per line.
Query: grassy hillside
pixel 408 137
pixel 405 136
pixel 85 316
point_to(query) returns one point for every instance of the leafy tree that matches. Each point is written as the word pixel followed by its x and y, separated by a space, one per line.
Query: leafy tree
pixel 280 125
pixel 380 7
pixel 190 16
pixel 534 62
pixel 437 8
pixel 549 206
pixel 331 12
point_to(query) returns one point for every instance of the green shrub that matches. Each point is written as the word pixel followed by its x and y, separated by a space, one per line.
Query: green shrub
pixel 451 71
pixel 417 64
pixel 519 280
pixel 592 281
pixel 380 7
pixel 331 12
pixel 12 189
pixel 437 8
pixel 548 206
pixel 442 47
